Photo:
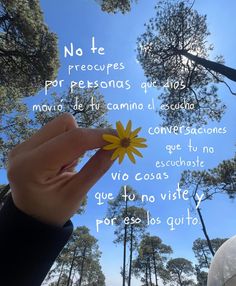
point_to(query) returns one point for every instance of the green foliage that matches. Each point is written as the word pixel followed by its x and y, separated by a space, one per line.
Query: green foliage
pixel 176 31
pixel 114 6
pixel 95 276
pixel 63 281
pixel 202 253
pixel 152 255
pixel 15 128
pixel 180 269
pixel 201 277
pixel 28 50
pixel 176 27
pixel 223 177
pixel 79 261
pixel 219 180
pixel 153 246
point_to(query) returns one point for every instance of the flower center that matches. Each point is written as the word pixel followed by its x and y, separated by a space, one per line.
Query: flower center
pixel 125 142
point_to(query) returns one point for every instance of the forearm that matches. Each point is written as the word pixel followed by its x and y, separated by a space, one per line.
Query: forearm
pixel 28 247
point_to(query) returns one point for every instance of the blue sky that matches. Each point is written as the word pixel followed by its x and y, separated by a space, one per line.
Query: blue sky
pixel 78 21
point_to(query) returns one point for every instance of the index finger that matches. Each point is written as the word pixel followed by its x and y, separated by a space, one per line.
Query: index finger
pixel 53 128
pixel 67 147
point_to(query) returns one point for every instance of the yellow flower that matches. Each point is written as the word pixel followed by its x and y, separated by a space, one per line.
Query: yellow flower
pixel 125 143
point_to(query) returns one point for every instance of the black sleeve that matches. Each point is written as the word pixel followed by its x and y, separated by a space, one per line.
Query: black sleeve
pixel 28 247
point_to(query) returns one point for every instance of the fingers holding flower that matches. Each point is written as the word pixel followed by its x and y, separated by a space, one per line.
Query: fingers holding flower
pixel 126 142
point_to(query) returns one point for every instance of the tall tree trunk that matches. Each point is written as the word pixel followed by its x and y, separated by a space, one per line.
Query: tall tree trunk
pixel 155 266
pixel 150 272
pixel 204 229
pixel 130 255
pixel 73 276
pixel 71 267
pixel 82 267
pixel 59 278
pixel 146 275
pixel 125 243
pixel 206 260
pixel 124 254
pixel 213 66
pixel 180 280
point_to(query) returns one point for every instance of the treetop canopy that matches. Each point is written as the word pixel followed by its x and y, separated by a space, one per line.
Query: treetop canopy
pixel 28 50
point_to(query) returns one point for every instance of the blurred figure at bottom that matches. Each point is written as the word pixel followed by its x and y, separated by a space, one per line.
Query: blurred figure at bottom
pixel 223 267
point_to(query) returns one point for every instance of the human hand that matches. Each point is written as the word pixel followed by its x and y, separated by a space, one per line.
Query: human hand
pixel 41 170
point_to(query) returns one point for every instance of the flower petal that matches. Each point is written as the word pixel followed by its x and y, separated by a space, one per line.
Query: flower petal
pixel 131 156
pixel 138 140
pixel 135 132
pixel 139 145
pixel 111 138
pixel 115 154
pixel 128 129
pixel 121 155
pixel 120 129
pixel 135 151
pixel 111 146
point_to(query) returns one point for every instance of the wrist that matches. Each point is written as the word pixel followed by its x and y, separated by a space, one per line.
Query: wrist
pixel 39 213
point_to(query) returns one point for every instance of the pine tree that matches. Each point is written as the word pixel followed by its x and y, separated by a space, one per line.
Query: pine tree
pixel 152 255
pixel 174 54
pixel 28 50
pixel 129 234
pixel 79 261
pixel 180 271
pixel 114 6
